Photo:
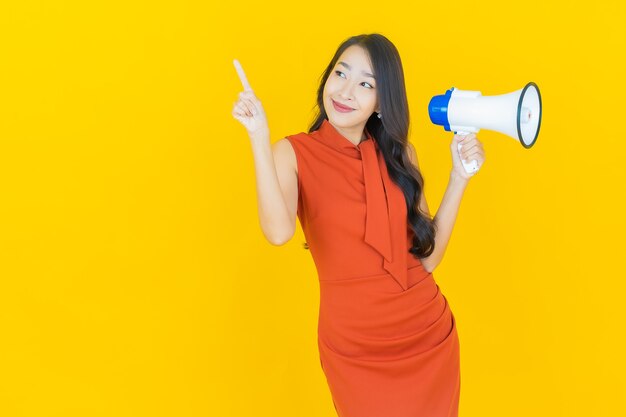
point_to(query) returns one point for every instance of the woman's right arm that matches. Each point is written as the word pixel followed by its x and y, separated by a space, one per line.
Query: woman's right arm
pixel 275 168
pixel 277 189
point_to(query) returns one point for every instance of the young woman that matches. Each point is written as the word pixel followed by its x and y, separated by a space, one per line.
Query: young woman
pixel 387 337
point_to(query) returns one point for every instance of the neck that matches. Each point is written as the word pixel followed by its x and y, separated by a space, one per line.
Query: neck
pixel 355 134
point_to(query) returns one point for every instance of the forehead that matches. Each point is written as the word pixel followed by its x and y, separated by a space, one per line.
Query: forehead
pixel 356 56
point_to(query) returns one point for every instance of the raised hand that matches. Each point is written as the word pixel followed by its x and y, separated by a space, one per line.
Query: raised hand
pixel 249 110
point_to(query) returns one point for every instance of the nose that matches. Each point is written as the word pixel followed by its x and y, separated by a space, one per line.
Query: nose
pixel 346 91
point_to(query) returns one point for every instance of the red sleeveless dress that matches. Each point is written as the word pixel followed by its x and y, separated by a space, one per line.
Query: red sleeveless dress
pixel 387 338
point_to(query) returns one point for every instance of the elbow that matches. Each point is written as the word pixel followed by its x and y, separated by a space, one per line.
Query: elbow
pixel 277 235
pixel 279 240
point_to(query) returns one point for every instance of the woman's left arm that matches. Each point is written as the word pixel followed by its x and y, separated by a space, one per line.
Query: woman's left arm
pixel 449 207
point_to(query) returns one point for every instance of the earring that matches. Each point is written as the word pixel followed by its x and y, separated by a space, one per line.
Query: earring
pixel 380 116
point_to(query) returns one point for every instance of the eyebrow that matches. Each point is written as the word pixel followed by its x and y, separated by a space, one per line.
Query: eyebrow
pixel 362 72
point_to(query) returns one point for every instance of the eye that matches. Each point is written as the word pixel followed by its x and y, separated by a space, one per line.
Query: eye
pixel 370 86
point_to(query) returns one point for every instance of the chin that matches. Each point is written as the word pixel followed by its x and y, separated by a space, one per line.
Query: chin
pixel 341 120
pixel 345 120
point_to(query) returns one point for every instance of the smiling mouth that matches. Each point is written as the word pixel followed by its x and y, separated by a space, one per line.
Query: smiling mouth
pixel 341 107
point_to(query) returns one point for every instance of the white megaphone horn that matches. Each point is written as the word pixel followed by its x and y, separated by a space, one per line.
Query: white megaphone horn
pixel 516 114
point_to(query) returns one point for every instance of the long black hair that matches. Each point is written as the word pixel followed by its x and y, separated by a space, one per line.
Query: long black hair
pixel 391 132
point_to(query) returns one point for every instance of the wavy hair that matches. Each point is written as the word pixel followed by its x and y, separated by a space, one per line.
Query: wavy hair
pixel 391 131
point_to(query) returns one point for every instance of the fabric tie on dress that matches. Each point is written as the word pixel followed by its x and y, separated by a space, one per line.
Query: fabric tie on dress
pixel 385 205
pixel 385 202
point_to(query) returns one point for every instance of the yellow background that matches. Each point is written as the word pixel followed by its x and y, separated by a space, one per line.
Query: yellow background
pixel 136 281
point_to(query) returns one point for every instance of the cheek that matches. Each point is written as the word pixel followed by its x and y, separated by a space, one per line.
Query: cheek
pixel 368 98
pixel 325 95
pixel 329 87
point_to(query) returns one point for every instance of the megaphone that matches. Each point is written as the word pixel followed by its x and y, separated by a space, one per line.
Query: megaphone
pixel 516 114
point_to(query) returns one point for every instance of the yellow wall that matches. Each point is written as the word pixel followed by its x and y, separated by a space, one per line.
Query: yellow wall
pixel 135 279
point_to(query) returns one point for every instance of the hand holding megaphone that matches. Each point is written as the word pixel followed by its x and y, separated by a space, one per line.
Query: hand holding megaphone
pixel 468 154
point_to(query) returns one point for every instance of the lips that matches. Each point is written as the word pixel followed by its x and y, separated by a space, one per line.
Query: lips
pixel 341 108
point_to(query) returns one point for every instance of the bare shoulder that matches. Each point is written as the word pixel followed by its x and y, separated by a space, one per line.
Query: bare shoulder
pixel 284 154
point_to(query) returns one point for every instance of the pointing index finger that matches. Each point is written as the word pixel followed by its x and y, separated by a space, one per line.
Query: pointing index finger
pixel 242 76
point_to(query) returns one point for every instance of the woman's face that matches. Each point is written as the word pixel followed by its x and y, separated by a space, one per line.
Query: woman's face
pixel 351 84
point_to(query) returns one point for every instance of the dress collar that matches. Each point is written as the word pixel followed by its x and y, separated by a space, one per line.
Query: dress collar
pixel 329 135
pixel 386 213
